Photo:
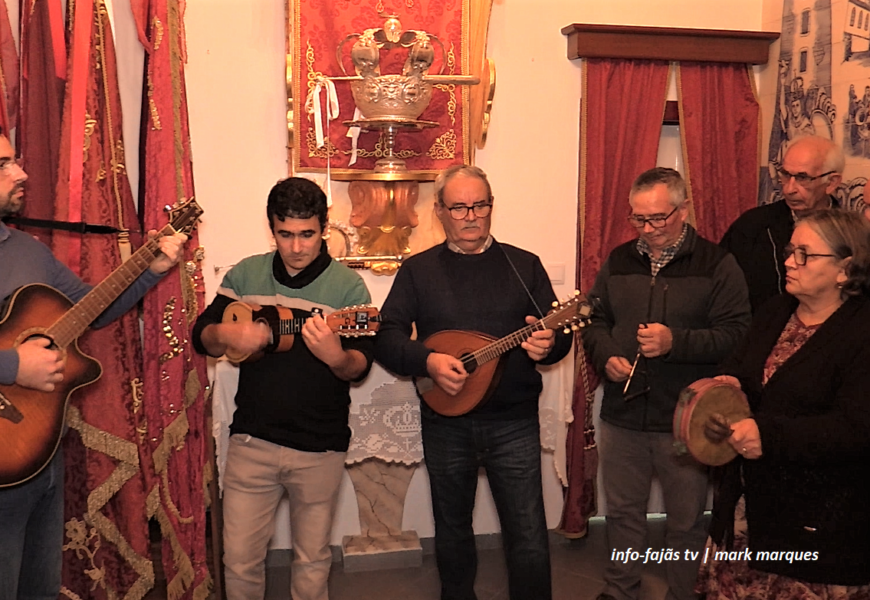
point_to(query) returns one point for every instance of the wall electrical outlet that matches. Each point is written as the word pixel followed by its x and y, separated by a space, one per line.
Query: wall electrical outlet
pixel 556 271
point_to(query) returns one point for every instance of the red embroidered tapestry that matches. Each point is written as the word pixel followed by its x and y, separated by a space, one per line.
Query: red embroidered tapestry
pixel 318 28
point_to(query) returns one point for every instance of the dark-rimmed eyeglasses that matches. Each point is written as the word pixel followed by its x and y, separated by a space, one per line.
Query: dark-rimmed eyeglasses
pixel 801 255
pixel 460 211
pixel 802 179
pixel 6 164
pixel 656 222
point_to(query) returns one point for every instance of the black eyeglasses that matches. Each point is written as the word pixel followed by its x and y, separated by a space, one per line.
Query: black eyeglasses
pixel 801 255
pixel 801 178
pixel 656 222
pixel 460 211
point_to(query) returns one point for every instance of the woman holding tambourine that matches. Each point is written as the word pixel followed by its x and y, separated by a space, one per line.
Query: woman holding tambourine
pixel 792 511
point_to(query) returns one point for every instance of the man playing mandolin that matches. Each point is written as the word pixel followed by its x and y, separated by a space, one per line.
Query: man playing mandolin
pixel 31 512
pixel 290 430
pixel 474 283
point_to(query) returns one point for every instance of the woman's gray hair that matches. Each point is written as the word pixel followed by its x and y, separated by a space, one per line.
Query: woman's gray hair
pixel 847 234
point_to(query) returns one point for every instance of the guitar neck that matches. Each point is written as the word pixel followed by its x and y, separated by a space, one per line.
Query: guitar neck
pixel 77 319
pixel 508 342
pixel 290 326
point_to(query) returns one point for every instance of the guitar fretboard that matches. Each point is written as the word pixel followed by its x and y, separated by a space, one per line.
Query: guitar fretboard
pixel 290 326
pixel 77 319
pixel 512 340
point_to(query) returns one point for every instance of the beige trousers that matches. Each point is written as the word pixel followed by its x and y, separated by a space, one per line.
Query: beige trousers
pixel 258 473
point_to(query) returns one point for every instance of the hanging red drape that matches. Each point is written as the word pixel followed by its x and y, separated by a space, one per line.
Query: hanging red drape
pixel 106 547
pixel 43 73
pixel 176 383
pixel 623 103
pixel 719 126
pixel 8 73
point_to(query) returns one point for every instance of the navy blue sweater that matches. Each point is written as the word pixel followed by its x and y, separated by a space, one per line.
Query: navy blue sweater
pixel 440 289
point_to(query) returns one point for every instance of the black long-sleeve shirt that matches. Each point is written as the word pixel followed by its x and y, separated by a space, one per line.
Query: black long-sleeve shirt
pixel 440 289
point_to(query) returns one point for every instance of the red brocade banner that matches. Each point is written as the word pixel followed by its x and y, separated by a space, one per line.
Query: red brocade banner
pixel 42 78
pixel 319 27
pixel 8 73
pixel 106 548
pixel 174 430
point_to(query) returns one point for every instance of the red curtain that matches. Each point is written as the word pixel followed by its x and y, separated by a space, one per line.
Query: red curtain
pixel 8 73
pixel 43 73
pixel 106 546
pixel 719 125
pixel 176 384
pixel 620 125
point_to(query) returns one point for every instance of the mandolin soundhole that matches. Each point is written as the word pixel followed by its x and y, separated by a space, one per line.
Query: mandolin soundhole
pixel 469 362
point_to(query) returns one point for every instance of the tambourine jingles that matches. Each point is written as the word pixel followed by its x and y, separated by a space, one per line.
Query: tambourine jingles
pixel 695 405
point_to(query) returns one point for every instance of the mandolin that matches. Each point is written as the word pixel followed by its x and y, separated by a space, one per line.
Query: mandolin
pixel 353 321
pixel 478 352
pixel 31 421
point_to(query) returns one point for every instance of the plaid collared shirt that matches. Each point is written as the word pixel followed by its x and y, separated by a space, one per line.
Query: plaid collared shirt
pixel 657 264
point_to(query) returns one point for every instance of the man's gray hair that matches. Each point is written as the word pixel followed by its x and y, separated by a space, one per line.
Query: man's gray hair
pixel 463 170
pixel 834 160
pixel 670 177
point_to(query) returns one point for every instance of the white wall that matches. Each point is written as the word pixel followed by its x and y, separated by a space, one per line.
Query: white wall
pixel 235 79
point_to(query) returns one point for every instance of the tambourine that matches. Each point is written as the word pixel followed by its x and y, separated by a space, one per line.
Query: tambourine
pixel 696 403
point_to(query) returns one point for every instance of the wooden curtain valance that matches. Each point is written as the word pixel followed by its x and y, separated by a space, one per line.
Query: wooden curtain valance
pixel 668 43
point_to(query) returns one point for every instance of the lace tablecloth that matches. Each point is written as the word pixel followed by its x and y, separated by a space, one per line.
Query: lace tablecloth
pixel 385 416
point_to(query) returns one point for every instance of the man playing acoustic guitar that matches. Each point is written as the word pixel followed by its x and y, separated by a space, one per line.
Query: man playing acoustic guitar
pixel 31 512
pixel 290 430
pixel 472 282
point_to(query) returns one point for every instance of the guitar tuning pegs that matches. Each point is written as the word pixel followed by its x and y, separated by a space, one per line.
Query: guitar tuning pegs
pixel 576 292
pixel 555 303
pixel 566 330
pixel 575 327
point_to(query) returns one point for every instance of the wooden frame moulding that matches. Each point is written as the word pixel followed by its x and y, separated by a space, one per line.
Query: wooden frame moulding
pixel 668 43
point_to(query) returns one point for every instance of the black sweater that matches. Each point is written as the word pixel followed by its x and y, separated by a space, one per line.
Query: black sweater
pixel 809 491
pixel 440 289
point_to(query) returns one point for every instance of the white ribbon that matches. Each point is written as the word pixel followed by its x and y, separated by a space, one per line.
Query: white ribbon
pixel 312 106
pixel 353 134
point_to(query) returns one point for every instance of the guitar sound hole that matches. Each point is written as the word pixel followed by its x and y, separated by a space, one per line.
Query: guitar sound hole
pixel 51 346
pixel 469 362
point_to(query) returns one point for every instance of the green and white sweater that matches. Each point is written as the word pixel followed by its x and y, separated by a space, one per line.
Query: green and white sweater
pixel 292 398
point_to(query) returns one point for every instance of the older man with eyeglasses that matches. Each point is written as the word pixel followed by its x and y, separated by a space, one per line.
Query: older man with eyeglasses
pixel 473 282
pixel 809 174
pixel 669 307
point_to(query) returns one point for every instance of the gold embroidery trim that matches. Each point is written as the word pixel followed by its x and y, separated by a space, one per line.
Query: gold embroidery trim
pixel 444 147
pixel 90 125
pixel 157 26
pixel 175 347
pixel 128 456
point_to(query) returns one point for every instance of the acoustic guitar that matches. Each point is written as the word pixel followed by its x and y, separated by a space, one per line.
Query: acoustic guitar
pixel 31 421
pixel 353 321
pixel 478 352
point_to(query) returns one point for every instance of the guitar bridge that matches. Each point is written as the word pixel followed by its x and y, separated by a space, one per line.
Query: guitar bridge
pixel 8 411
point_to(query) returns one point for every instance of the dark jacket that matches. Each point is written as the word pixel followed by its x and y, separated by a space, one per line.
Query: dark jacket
pixel 757 239
pixel 700 295
pixel 809 491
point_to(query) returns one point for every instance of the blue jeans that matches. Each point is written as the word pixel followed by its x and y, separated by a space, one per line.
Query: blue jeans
pixel 510 451
pixel 31 535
